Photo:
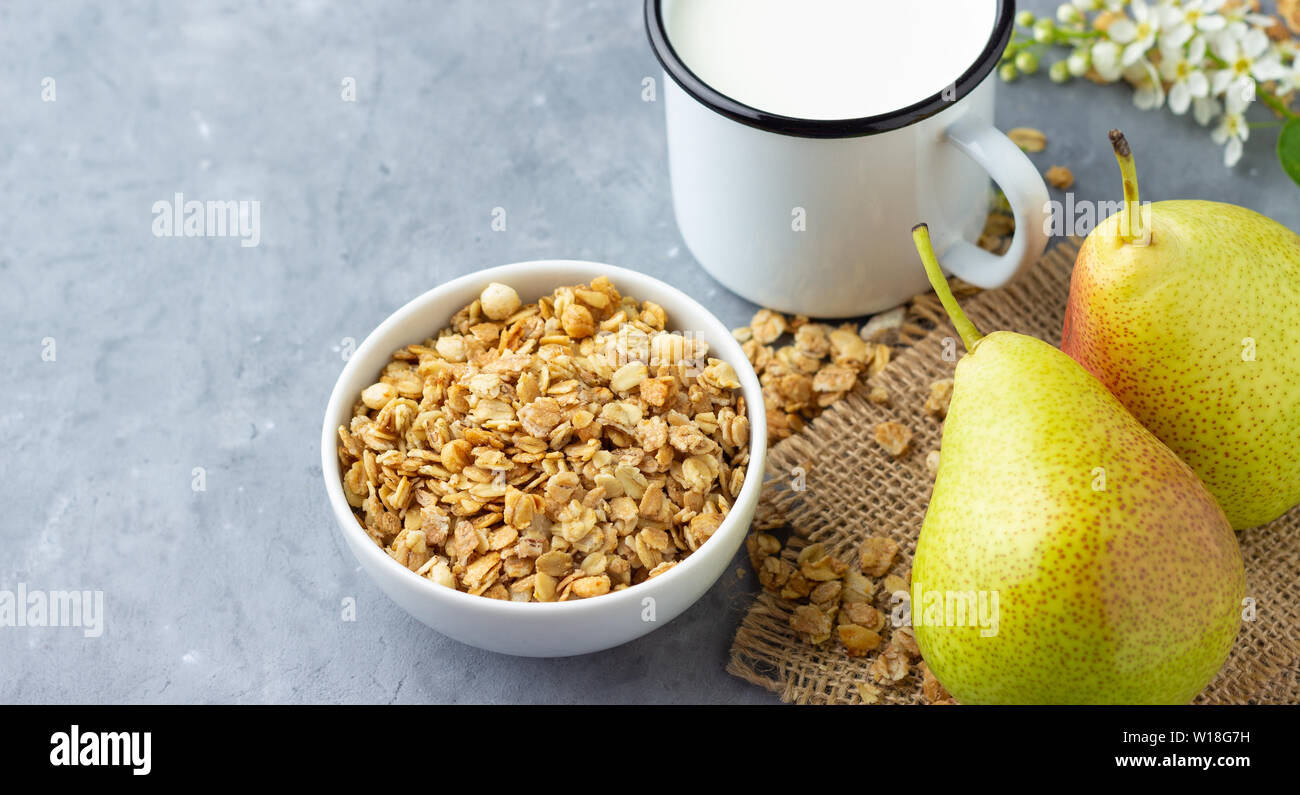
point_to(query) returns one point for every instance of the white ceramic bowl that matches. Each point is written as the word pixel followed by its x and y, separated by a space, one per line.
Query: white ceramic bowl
pixel 551 629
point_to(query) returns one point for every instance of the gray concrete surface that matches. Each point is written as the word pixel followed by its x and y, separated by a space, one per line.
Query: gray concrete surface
pixel 177 353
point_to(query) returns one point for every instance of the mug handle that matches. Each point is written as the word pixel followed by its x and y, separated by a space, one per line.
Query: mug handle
pixel 1026 193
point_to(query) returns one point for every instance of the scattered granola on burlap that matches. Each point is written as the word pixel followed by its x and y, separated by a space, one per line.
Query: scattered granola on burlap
pixel 820 365
pixel 834 599
pixel 999 226
pixel 894 436
pixel 936 405
pixel 557 450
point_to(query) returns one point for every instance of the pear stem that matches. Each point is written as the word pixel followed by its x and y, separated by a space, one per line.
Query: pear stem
pixel 969 334
pixel 1128 169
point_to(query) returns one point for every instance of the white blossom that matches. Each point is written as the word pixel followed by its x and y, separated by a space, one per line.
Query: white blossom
pixel 1291 80
pixel 1148 93
pixel 1240 19
pixel 1232 131
pixel 1182 69
pixel 1249 57
pixel 1206 110
pixel 1138 34
pixel 1180 22
pixel 1106 60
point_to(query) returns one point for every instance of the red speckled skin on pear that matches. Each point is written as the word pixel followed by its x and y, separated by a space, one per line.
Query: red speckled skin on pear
pixel 1128 594
pixel 1165 328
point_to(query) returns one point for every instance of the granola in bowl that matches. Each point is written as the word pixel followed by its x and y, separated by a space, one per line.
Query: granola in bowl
pixel 556 450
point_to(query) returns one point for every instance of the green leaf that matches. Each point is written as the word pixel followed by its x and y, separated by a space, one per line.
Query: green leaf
pixel 1288 149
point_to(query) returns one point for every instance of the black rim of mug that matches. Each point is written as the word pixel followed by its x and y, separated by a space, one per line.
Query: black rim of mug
pixel 828 128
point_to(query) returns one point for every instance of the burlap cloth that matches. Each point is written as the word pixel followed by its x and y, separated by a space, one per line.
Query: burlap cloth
pixel 854 489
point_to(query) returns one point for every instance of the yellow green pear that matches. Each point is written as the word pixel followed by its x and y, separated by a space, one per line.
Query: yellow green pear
pixel 1189 311
pixel 1067 555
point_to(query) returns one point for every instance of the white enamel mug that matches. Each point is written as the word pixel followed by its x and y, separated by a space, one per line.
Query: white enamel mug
pixel 814 216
